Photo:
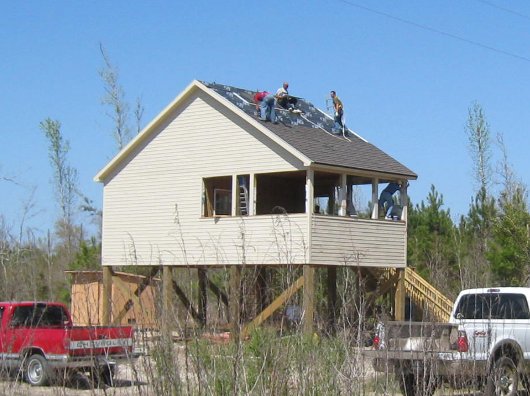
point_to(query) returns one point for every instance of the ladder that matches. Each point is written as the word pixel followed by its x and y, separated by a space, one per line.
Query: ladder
pixel 243 200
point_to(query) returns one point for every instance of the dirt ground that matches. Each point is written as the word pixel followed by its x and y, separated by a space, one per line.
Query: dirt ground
pixel 131 380
pixel 124 384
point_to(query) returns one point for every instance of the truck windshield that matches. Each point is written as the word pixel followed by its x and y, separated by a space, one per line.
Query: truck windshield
pixel 493 306
pixel 39 315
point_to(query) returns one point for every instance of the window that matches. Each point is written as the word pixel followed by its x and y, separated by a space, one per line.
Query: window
pixel 243 203
pixel 280 192
pixel 217 196
pixel 222 199
pixel 39 315
pixel 493 306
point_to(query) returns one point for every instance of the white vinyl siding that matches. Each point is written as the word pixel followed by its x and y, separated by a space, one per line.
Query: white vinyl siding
pixel 152 204
pixel 351 241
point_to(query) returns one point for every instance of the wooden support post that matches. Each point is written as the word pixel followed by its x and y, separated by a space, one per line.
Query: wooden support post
pixel 203 301
pixel 167 299
pixel 332 298
pixel 107 296
pixel 235 301
pixel 400 296
pixel 309 299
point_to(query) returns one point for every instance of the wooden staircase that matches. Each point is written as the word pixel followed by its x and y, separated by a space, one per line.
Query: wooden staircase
pixel 424 295
pixel 421 293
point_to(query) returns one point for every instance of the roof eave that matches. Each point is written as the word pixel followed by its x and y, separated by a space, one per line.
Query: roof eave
pixel 368 172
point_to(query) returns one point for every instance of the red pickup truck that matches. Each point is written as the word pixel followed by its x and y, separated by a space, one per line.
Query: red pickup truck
pixel 40 339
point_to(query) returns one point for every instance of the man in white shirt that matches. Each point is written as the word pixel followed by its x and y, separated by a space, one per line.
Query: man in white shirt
pixel 285 100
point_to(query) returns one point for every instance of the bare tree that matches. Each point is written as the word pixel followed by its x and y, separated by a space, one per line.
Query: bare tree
pixel 138 114
pixel 114 98
pixel 65 178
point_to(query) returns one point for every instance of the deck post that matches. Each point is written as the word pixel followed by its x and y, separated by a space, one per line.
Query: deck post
pixel 375 199
pixel 309 299
pixel 107 296
pixel 400 296
pixel 235 301
pixel 404 200
pixel 343 196
pixel 252 195
pixel 235 196
pixel 203 296
pixel 167 299
pixel 309 192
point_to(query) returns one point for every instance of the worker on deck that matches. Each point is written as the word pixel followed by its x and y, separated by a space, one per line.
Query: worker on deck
pixel 386 200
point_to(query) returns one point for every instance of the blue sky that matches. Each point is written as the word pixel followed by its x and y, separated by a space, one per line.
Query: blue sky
pixel 407 73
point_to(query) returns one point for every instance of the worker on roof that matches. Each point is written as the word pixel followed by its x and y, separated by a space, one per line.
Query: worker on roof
pixel 284 99
pixel 283 91
pixel 339 112
pixel 265 103
pixel 258 98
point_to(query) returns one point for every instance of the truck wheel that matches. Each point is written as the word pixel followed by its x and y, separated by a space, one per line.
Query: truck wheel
pixel 38 371
pixel 503 379
pixel 102 375
pixel 410 386
pixel 407 384
pixel 107 375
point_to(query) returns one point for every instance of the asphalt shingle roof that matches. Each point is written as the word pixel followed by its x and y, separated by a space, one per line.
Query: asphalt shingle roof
pixel 310 134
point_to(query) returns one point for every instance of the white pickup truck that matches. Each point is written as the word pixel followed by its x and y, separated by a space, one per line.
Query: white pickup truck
pixel 486 344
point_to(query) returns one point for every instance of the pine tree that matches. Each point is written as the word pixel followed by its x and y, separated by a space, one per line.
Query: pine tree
pixel 431 242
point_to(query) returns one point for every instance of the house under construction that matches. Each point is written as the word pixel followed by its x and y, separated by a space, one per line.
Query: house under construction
pixel 207 184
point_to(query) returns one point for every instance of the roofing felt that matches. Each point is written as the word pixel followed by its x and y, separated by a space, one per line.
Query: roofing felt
pixel 310 133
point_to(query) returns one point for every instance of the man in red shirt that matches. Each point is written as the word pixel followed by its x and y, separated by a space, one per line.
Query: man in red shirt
pixel 266 103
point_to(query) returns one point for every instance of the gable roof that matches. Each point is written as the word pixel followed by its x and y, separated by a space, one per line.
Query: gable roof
pixel 311 135
pixel 307 136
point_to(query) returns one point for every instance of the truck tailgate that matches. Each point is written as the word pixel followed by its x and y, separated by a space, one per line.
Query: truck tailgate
pixel 417 336
pixel 101 340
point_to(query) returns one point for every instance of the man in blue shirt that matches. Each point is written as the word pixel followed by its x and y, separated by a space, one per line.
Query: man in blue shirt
pixel 386 198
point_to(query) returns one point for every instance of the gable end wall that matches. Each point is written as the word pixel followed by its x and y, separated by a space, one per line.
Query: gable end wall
pixel 152 204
